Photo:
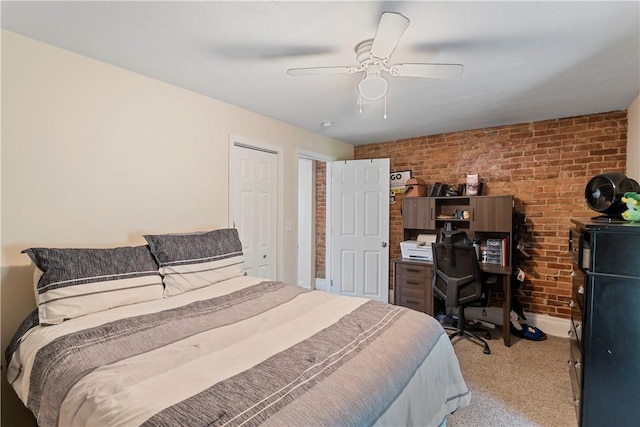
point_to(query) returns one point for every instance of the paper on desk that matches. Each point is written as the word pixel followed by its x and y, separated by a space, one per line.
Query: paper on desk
pixel 426 239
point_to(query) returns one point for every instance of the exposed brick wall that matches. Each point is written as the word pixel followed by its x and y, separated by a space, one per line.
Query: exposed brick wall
pixel 321 215
pixel 544 165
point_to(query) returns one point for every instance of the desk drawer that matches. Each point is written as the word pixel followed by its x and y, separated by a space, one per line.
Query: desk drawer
pixel 413 270
pixel 409 301
pixel 413 282
pixel 413 285
pixel 415 293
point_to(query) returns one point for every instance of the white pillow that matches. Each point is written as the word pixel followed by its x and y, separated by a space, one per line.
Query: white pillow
pixel 74 282
pixel 195 260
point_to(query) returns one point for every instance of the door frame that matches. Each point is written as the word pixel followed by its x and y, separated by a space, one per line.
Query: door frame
pixel 311 155
pixel 243 142
pixel 306 227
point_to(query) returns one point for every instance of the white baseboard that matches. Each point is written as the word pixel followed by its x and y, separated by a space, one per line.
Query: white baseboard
pixel 553 326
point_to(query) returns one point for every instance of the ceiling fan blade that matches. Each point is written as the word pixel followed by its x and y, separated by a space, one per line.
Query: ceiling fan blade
pixel 391 27
pixel 432 71
pixel 321 70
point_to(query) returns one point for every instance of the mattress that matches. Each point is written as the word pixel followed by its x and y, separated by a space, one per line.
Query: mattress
pixel 240 352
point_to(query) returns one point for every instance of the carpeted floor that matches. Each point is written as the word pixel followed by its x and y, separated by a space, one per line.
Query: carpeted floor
pixel 526 384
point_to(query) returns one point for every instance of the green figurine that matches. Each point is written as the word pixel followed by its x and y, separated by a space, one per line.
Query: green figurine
pixel 633 206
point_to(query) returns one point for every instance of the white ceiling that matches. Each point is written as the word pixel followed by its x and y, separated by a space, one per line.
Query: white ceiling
pixel 524 61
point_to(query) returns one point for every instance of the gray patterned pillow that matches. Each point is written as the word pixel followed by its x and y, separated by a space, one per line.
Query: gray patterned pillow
pixel 196 260
pixel 74 282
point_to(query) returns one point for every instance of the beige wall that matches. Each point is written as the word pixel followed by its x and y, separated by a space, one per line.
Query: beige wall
pixel 633 140
pixel 95 155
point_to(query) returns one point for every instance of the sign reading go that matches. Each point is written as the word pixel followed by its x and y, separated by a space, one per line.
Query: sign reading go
pixel 397 180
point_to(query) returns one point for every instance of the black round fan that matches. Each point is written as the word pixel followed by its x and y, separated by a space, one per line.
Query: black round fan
pixel 603 194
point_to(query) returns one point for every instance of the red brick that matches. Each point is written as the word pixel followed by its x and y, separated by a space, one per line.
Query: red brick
pixel 545 165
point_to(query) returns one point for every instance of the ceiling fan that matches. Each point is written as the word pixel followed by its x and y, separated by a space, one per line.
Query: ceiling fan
pixel 373 55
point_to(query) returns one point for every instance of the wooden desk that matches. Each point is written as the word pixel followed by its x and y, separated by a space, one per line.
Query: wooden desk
pixel 425 269
pixel 505 272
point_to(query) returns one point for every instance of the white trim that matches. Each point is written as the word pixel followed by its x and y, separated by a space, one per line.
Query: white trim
pixel 305 154
pixel 553 326
pixel 315 156
pixel 305 238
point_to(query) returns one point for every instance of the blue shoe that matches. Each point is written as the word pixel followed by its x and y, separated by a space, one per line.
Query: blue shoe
pixel 529 332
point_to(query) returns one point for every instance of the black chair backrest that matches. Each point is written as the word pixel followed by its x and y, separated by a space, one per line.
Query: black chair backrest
pixel 457 277
pixel 452 236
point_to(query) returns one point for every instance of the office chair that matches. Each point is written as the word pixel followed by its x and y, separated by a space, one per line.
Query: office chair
pixel 452 236
pixel 458 280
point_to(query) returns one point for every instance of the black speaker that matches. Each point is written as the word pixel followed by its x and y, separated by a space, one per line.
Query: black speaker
pixel 603 194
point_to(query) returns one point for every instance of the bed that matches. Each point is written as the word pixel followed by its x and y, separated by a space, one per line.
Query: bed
pixel 187 339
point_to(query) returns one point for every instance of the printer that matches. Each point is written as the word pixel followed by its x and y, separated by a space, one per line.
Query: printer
pixel 419 249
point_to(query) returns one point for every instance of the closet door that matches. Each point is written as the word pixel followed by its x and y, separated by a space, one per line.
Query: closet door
pixel 252 207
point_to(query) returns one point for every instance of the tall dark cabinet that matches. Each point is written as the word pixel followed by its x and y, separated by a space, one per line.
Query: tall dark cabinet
pixel 604 363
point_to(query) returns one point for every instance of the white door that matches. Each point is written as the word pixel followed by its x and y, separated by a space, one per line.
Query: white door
pixel 252 207
pixel 360 228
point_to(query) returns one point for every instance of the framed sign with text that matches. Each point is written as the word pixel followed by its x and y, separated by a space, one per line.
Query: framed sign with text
pixel 397 180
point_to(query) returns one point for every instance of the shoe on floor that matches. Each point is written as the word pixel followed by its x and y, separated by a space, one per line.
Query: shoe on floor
pixel 529 332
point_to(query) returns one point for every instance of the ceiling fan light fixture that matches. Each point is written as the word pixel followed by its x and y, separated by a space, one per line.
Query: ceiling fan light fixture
pixel 373 56
pixel 373 87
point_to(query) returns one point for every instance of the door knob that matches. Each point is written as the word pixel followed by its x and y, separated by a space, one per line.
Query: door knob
pixel 264 256
pixel 384 244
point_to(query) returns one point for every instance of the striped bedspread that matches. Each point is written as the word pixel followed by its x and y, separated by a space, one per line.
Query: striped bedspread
pixel 241 352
